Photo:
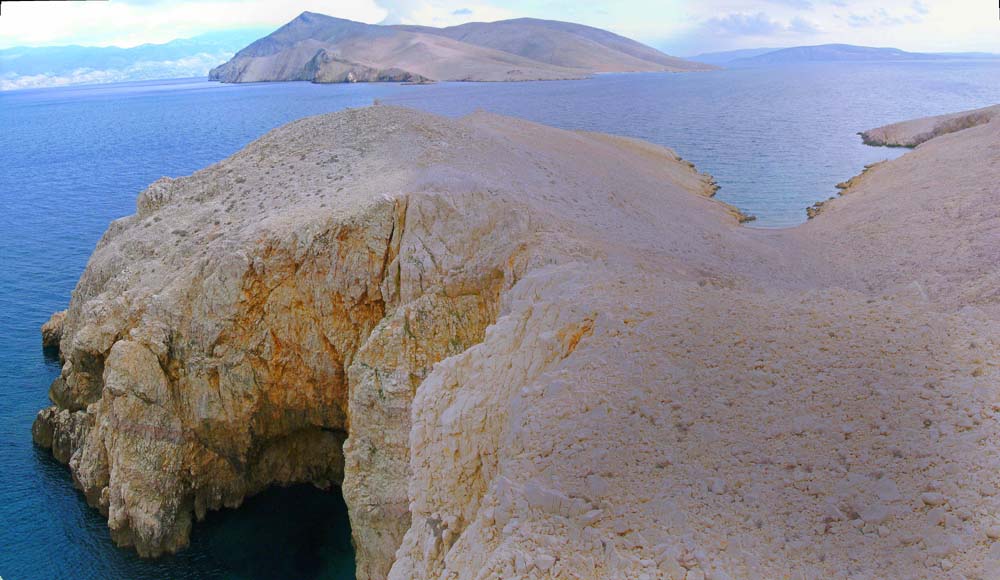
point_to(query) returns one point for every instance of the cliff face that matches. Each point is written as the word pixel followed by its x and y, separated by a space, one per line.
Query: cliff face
pixel 247 319
pixel 326 67
pixel 526 352
pixel 222 338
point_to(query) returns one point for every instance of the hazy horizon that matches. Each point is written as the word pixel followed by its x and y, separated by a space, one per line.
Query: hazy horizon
pixel 677 27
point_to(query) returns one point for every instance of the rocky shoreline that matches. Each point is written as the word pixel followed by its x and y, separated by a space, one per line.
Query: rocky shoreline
pixel 912 133
pixel 842 189
pixel 528 352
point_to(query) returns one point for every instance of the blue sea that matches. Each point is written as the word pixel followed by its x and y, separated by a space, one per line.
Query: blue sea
pixel 73 159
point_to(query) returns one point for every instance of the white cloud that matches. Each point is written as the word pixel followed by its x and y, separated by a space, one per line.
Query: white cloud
pixel 440 12
pixel 130 23
pixel 916 25
pixel 196 65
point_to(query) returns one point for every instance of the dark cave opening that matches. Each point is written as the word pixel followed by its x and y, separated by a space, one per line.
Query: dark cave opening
pixel 298 532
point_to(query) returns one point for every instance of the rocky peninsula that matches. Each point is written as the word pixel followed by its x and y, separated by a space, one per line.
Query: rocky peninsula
pixel 914 132
pixel 525 352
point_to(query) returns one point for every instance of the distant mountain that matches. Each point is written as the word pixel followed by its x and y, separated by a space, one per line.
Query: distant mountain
pixel 843 53
pixel 28 67
pixel 725 57
pixel 563 44
pixel 320 48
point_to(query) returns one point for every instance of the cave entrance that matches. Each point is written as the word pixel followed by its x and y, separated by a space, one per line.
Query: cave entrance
pixel 296 532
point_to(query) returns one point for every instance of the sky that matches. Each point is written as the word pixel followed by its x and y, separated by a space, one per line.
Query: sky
pixel 680 27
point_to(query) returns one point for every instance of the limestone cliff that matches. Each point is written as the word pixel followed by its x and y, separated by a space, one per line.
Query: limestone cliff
pixel 247 319
pixel 533 353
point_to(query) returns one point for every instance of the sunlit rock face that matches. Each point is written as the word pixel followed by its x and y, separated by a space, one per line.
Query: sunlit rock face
pixel 235 330
pixel 527 352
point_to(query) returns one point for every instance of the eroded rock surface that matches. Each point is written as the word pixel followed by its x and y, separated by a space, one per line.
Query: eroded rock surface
pixel 551 355
pixel 52 330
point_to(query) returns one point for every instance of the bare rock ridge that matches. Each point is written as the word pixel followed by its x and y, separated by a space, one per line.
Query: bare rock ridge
pixel 532 353
pixel 564 44
pixel 324 49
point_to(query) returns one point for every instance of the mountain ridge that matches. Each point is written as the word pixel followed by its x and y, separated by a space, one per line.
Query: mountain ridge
pixel 519 36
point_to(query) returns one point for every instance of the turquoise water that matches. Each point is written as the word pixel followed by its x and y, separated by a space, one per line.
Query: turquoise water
pixel 73 159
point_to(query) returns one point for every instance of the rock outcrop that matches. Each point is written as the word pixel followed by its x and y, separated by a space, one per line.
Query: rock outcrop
pixel 326 67
pixel 319 48
pixel 526 352
pixel 52 330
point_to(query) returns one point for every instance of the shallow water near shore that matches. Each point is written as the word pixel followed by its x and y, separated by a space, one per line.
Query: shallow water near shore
pixel 74 159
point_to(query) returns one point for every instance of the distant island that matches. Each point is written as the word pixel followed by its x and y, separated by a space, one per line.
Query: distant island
pixel 726 57
pixel 826 53
pixel 323 49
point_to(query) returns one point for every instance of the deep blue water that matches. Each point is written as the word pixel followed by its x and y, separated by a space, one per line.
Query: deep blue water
pixel 73 159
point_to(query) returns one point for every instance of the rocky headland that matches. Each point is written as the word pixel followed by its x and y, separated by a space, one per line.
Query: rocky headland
pixel 323 49
pixel 524 352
